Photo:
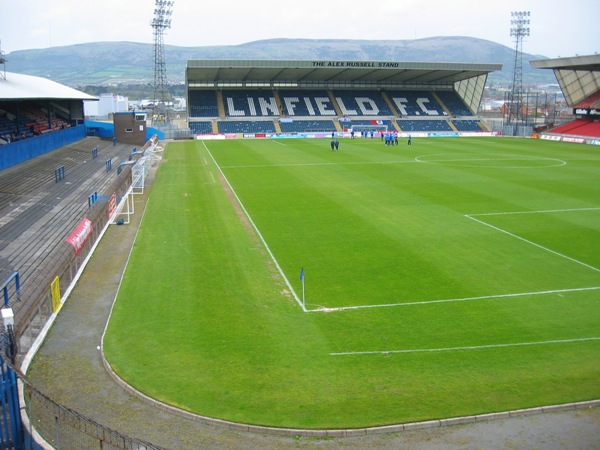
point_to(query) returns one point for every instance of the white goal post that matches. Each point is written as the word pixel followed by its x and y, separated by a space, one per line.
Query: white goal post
pixel 369 128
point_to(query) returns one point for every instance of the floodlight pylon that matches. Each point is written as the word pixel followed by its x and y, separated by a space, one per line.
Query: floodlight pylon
pixel 519 30
pixel 163 9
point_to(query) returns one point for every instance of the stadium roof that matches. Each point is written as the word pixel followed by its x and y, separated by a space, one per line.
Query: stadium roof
pixel 587 63
pixel 578 77
pixel 16 86
pixel 294 73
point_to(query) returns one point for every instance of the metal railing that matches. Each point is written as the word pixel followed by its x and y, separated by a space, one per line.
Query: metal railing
pixel 46 423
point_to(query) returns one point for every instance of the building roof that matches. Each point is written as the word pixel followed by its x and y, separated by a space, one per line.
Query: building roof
pixel 292 73
pixel 587 63
pixel 577 76
pixel 16 86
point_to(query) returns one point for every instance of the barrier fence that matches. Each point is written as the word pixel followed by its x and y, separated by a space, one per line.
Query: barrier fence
pixel 61 427
pixel 65 429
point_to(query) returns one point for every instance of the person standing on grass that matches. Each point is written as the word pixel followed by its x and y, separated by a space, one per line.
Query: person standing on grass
pixel 332 145
pixel 337 145
pixel 409 142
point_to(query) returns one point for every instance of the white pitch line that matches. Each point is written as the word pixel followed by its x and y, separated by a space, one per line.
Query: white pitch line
pixel 503 158
pixel 534 212
pixel 322 164
pixel 452 300
pixel 473 347
pixel 534 244
pixel 256 230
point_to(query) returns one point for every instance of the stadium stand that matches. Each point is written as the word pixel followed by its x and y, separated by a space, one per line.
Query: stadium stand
pixel 362 103
pixel 580 127
pixel 299 126
pixel 360 107
pixel 203 103
pixel 467 125
pixel 306 103
pixel 453 103
pixel 593 101
pixel 335 90
pixel 366 122
pixel 248 103
pixel 246 126
pixel 579 81
pixel 201 127
pixel 39 211
pixel 430 126
pixel 416 103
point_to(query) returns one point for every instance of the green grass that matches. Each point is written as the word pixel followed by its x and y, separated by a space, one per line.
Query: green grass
pixel 452 277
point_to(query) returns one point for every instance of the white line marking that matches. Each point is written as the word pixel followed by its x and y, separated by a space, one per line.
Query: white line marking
pixel 535 212
pixel 534 244
pixel 473 347
pixel 256 229
pixel 451 300
pixel 506 158
pixel 322 164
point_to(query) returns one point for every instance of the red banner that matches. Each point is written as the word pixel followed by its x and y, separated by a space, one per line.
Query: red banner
pixel 112 206
pixel 81 234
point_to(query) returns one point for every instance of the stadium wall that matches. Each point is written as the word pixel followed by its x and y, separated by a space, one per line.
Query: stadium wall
pixel 107 130
pixel 21 151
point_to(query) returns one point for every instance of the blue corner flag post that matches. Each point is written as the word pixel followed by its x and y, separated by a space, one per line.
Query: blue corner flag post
pixel 302 279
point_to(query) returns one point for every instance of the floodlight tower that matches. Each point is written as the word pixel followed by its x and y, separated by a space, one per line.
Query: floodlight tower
pixel 2 62
pixel 519 30
pixel 161 21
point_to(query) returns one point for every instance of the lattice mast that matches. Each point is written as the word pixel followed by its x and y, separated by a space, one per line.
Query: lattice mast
pixel 519 30
pixel 2 63
pixel 161 22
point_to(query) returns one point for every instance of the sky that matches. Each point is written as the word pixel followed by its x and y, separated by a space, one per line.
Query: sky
pixel 558 28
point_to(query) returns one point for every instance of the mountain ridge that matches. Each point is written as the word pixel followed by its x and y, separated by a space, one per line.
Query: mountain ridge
pixel 105 63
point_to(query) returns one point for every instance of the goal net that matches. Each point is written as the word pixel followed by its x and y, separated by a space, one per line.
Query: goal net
pixel 369 128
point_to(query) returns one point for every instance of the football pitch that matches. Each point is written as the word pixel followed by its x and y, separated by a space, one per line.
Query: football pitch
pixel 275 282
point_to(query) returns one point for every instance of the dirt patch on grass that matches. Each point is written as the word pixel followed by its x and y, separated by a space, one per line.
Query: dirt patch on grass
pixel 249 227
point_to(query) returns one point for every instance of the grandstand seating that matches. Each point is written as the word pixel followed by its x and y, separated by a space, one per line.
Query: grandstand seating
pixel 300 126
pixel 453 103
pixel 32 120
pixel 467 125
pixel 431 126
pixel 362 103
pixel 202 127
pixel 250 103
pixel 315 110
pixel 416 103
pixel 246 126
pixel 593 101
pixel 355 122
pixel 203 103
pixel 306 103
pixel 580 127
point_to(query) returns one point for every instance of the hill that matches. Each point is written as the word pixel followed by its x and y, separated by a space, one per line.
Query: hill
pixel 132 62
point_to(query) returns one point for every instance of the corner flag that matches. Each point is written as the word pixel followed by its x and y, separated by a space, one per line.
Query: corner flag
pixel 303 295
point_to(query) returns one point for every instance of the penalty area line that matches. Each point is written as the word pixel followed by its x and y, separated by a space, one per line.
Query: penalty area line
pixel 256 230
pixel 449 300
pixel 471 347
